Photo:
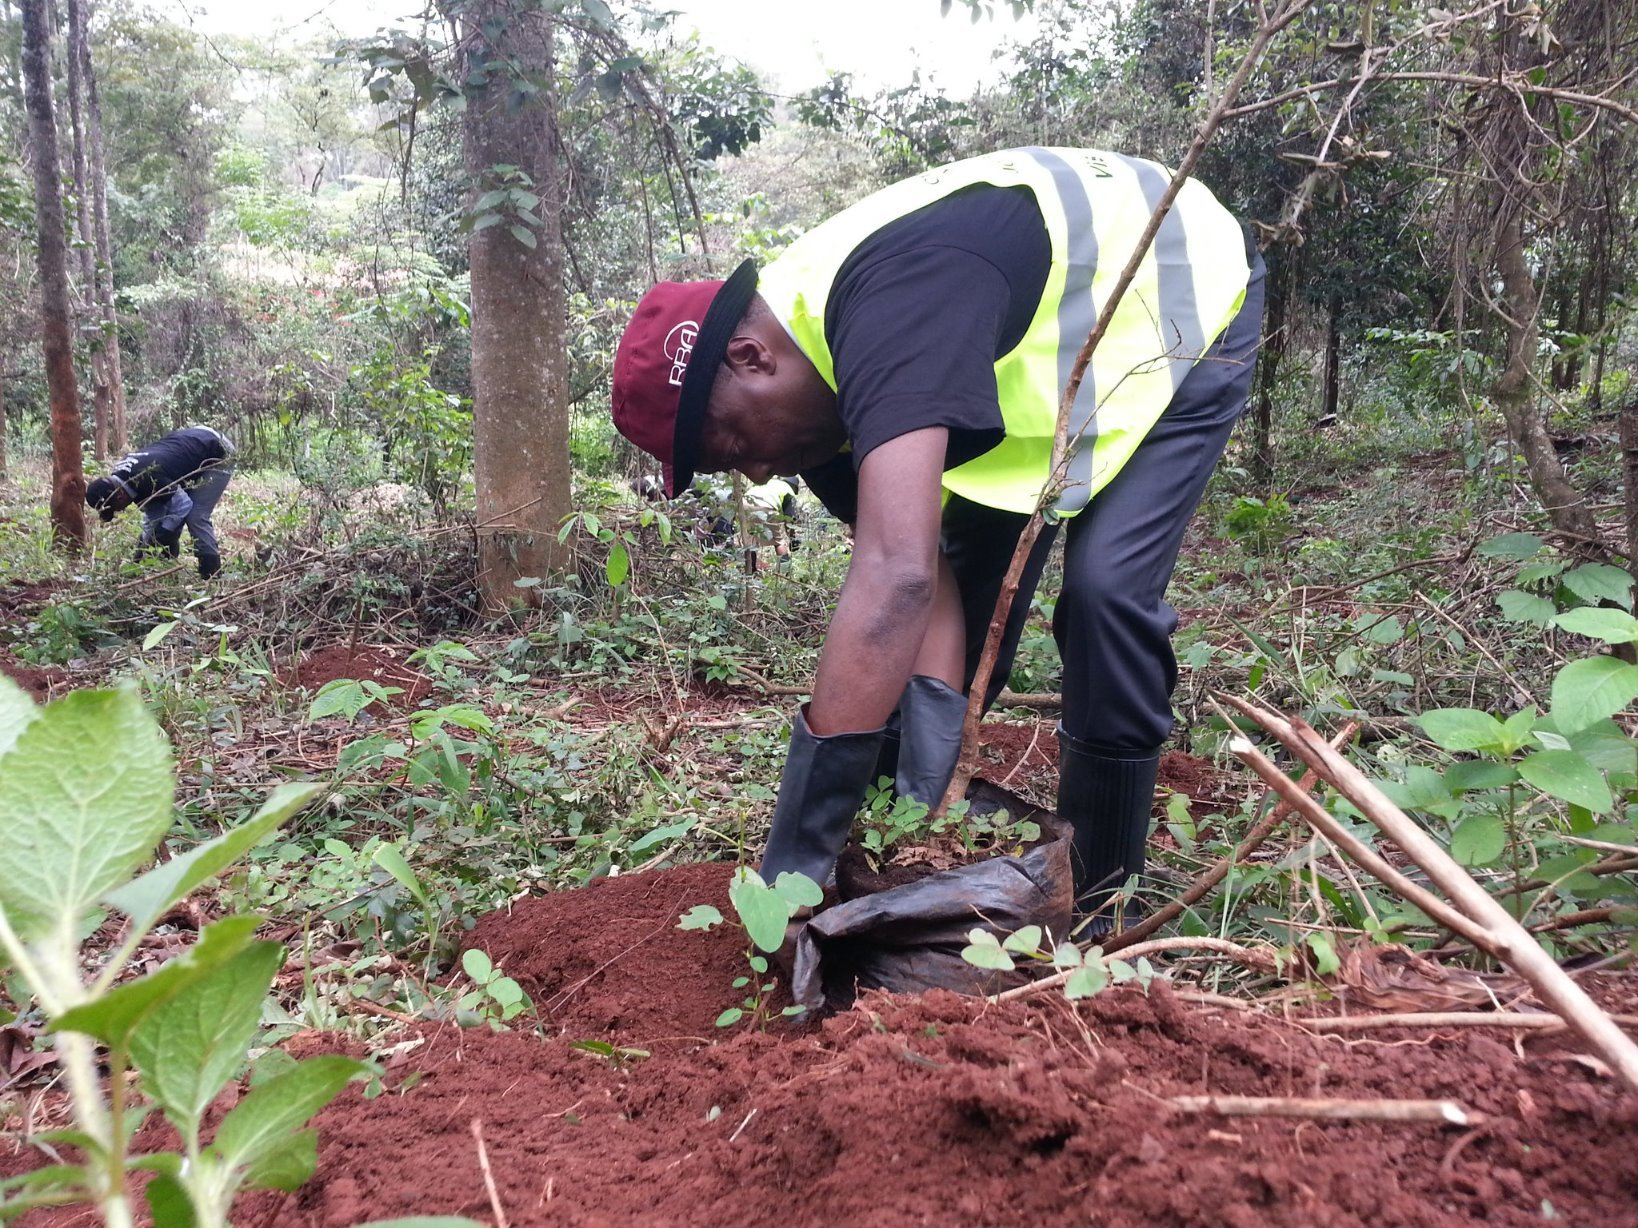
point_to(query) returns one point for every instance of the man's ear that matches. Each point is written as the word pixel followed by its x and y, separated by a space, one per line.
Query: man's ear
pixel 747 354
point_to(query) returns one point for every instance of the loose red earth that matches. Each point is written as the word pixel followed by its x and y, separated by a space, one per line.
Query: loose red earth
pixel 932 1110
pixel 383 666
pixel 40 681
pixel 929 1110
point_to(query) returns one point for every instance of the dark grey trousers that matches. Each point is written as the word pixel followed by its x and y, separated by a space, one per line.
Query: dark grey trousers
pixel 164 516
pixel 1112 623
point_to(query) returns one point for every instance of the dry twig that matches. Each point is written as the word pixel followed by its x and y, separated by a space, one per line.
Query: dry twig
pixel 488 1176
pixel 1446 1112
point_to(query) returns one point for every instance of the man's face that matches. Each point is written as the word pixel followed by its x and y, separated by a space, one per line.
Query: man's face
pixel 777 423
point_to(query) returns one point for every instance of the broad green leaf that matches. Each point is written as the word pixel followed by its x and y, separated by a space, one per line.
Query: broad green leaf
pixel 798 890
pixel 1587 691
pixel 1522 607
pixel 157 635
pixel 618 567
pixel 700 917
pixel 1462 729
pixel 1324 953
pixel 145 898
pixel 477 965
pixel 85 795
pixel 762 911
pixel 1516 546
pixel 1468 777
pixel 1090 978
pixel 169 1203
pixel 266 1117
pixel 392 861
pixel 1381 630
pixel 1567 776
pixel 1025 941
pixel 287 1166
pixel 114 1016
pixel 1611 626
pixel 191 1044
pixel 660 835
pixel 1605 745
pixel 1479 840
pixel 730 1017
pixel 983 950
pixel 1595 582
pixel 339 696
pixel 17 711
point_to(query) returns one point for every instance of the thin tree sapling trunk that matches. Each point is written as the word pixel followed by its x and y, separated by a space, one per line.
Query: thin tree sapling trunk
pixel 112 382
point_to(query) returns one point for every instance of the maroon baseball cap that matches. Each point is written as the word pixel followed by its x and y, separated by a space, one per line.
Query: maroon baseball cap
pixel 667 362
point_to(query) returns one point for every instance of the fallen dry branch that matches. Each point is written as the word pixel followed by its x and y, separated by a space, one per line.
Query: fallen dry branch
pixel 1530 1021
pixel 488 1176
pixel 1204 885
pixel 1263 961
pixel 1445 1112
pixel 1500 932
pixel 1323 822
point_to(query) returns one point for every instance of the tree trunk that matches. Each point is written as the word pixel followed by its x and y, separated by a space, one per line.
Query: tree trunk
pixel 67 464
pixel 111 383
pixel 1565 507
pixel 1333 369
pixel 1629 481
pixel 88 304
pixel 519 315
pixel 1268 368
pixel 3 473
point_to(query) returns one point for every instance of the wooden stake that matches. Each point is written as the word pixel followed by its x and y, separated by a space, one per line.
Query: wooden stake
pixel 1503 936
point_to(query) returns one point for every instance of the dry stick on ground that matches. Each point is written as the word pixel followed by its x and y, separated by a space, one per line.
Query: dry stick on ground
pixel 1540 1021
pixel 1061 455
pixel 488 1176
pixel 1503 936
pixel 1263 961
pixel 1447 1112
pixel 1203 886
pixel 1323 822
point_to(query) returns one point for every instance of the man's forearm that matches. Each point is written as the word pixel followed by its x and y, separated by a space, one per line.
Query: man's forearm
pixel 874 638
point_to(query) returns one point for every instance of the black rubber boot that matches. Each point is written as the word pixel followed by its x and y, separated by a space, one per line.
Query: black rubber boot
pixel 931 713
pixel 1106 797
pixel 209 565
pixel 820 792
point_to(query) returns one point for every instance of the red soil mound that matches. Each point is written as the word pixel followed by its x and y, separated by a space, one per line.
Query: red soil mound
pixel 39 681
pixel 932 1110
pixel 364 661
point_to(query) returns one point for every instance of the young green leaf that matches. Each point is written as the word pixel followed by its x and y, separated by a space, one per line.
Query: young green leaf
pixel 261 1122
pixel 1521 607
pixel 1611 626
pixel 730 1017
pixel 1463 729
pixel 1567 776
pixel 1026 941
pixel 17 712
pixel 798 890
pixel 1090 978
pixel 145 898
pixel 660 835
pixel 700 917
pixel 618 566
pixel 1595 582
pixel 983 950
pixel 762 911
pixel 392 861
pixel 114 1016
pixel 477 965
pixel 191 1044
pixel 85 794
pixel 1585 692
pixel 286 1166
pixel 1478 840
pixel 169 1202
pixel 1515 546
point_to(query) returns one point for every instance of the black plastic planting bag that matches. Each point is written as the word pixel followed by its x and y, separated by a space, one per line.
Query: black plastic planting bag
pixel 910 938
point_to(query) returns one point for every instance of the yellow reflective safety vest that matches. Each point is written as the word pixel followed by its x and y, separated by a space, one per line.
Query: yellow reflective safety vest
pixel 1096 204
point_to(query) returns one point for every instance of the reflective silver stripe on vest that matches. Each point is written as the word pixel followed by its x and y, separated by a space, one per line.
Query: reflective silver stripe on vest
pixel 1076 316
pixel 1180 334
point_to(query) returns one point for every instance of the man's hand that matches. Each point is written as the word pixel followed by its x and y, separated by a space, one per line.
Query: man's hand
pixel 888 600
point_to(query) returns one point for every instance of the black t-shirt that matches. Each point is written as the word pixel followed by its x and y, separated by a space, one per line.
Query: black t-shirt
pixel 916 319
pixel 179 459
